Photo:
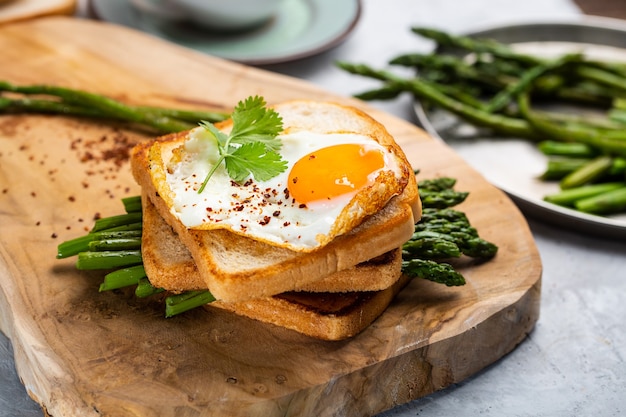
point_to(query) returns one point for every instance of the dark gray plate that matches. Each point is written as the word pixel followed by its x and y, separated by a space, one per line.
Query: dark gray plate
pixel 514 165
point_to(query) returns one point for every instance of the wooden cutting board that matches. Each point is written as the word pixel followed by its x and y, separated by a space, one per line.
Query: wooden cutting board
pixel 16 10
pixel 84 353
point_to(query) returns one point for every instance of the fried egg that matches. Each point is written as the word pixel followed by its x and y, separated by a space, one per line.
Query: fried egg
pixel 332 182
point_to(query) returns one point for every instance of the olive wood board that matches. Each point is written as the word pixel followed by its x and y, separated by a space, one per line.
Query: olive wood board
pixel 16 10
pixel 84 353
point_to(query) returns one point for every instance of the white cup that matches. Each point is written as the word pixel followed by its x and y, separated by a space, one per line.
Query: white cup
pixel 221 15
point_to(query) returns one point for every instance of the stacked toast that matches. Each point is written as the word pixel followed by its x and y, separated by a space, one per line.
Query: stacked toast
pixel 330 286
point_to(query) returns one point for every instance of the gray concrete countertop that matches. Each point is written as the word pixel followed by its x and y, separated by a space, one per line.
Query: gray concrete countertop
pixel 574 361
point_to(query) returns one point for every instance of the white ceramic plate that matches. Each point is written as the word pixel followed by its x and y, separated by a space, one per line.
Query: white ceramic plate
pixel 301 29
pixel 514 165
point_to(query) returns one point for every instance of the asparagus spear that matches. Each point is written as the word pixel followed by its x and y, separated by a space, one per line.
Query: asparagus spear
pixel 475 45
pixel 108 223
pixel 81 244
pixel 609 202
pixel 114 244
pixel 571 149
pixel 145 289
pixel 439 272
pixel 570 196
pixel 558 168
pixel 177 304
pixel 437 184
pixel 618 168
pixel 132 204
pixel 431 214
pixel 121 278
pixel 442 199
pixel 444 226
pixel 589 172
pixel 435 246
pixel 68 101
pixel 108 259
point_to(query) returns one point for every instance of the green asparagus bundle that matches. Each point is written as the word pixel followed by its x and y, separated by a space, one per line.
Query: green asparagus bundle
pixel 492 86
pixel 442 233
pixel 66 101
pixel 114 243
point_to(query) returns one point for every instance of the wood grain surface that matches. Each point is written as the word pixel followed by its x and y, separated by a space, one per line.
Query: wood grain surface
pixel 84 353
pixel 17 10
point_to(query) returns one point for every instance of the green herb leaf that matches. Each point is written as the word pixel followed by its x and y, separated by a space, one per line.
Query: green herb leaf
pixel 220 136
pixel 251 148
pixel 253 122
pixel 254 158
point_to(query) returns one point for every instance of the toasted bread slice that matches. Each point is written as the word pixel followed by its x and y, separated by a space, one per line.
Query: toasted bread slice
pixel 331 315
pixel 237 268
pixel 373 275
pixel 167 261
pixel 169 264
pixel 326 316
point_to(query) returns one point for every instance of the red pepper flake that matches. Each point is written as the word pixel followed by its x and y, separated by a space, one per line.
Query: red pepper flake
pixel 87 156
pixel 116 146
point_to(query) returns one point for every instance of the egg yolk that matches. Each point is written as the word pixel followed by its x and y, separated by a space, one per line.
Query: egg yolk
pixel 333 171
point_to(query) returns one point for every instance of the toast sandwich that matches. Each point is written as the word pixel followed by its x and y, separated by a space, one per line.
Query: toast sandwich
pixel 331 313
pixel 170 266
pixel 237 268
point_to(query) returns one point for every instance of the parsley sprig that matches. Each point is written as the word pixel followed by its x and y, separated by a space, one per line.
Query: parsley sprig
pixel 252 146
